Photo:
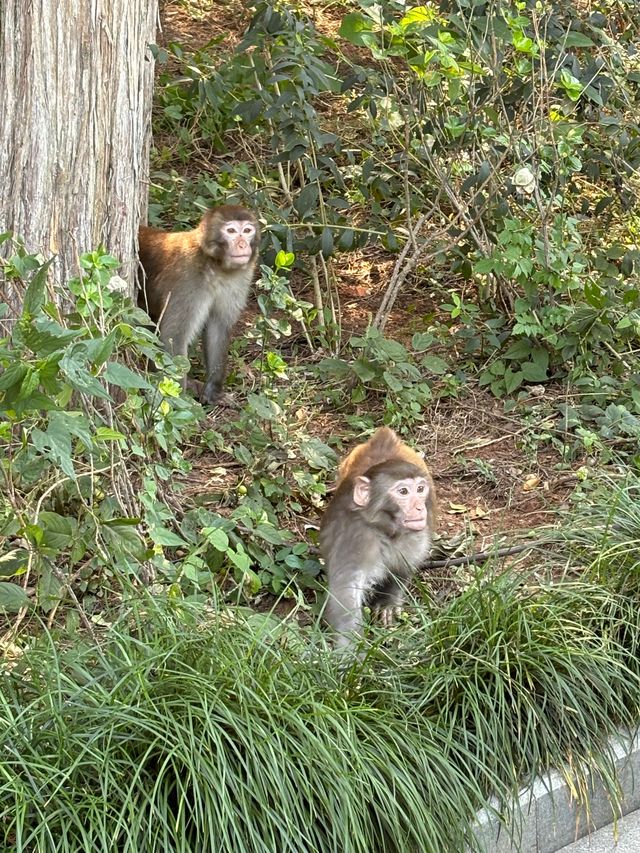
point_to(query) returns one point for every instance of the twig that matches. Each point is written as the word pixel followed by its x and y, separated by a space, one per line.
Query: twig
pixel 482 556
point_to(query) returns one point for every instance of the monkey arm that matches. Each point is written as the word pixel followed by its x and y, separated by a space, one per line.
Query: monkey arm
pixel 343 611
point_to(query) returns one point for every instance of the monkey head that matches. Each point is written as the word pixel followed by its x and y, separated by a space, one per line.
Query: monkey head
pixel 396 492
pixel 230 236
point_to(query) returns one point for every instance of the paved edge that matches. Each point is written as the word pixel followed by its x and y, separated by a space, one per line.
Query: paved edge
pixel 554 814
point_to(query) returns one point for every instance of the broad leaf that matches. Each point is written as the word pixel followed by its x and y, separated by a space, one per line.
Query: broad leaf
pixel 12 597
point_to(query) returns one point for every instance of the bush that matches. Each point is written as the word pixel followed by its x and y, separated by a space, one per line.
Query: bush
pixel 87 441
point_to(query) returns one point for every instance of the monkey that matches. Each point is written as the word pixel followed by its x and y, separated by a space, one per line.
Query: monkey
pixel 198 281
pixel 376 531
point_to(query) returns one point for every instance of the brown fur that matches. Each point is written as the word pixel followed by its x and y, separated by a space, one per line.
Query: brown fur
pixel 165 255
pixel 166 252
pixel 383 445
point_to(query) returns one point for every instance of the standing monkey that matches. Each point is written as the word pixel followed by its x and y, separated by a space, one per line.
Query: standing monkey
pixel 198 281
pixel 376 531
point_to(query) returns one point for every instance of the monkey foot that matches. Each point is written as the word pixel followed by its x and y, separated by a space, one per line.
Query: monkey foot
pixel 388 615
pixel 227 400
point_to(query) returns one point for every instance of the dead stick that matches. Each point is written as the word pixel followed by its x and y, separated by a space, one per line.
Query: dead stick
pixel 482 556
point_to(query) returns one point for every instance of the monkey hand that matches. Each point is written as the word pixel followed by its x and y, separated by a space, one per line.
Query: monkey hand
pixel 388 615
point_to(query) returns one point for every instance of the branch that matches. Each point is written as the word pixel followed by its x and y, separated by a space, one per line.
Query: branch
pixel 482 556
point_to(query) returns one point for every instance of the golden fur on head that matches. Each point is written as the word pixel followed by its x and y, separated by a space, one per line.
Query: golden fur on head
pixel 383 445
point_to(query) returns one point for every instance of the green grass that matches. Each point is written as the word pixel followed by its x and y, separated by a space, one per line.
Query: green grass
pixel 193 731
pixel 605 535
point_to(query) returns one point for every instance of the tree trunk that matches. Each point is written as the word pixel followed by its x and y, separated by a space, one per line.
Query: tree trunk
pixel 76 82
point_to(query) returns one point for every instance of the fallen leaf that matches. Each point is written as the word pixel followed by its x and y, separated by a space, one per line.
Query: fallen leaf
pixel 532 481
pixel 478 512
pixel 453 508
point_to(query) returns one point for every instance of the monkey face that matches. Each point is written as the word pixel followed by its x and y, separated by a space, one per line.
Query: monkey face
pixel 401 499
pixel 411 496
pixel 237 237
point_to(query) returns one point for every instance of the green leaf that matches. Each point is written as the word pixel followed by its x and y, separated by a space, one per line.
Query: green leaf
pixel 284 260
pixel 192 568
pixel 163 536
pixel 122 376
pixel 263 407
pixel 34 297
pixel 435 364
pixel 123 537
pixel 108 434
pixel 99 349
pixel 355 28
pixel 239 558
pixel 73 366
pixel 512 380
pixel 393 383
pixel 421 341
pixel 51 589
pixel 418 15
pixel 13 562
pixel 271 534
pixel 484 266
pixel 327 242
pixel 74 423
pixel 45 336
pixel 12 597
pixel 317 454
pixel 307 200
pixel 55 444
pixel 217 538
pixel 13 375
pixel 57 530
pixel 534 372
pixel 345 240
pixel 540 357
pixel 594 295
pixel 363 370
pixel 574 39
pixel 518 351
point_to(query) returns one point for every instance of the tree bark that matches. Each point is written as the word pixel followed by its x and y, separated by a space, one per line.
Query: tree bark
pixel 76 84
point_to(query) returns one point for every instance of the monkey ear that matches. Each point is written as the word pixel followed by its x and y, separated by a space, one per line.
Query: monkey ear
pixel 361 491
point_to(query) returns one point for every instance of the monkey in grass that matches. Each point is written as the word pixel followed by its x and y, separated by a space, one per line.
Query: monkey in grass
pixel 197 282
pixel 376 531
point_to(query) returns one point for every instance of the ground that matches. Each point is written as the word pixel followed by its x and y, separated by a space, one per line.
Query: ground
pixel 493 477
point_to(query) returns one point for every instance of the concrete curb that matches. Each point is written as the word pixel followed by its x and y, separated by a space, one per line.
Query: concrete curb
pixel 551 816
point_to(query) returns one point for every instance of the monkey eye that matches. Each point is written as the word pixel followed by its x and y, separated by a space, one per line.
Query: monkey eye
pixel 403 490
pixel 420 490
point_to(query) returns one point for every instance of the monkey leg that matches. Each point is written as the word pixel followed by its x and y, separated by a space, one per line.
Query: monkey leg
pixel 386 600
pixel 215 344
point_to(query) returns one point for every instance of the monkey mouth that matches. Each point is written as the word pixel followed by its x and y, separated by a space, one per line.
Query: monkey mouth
pixel 240 259
pixel 415 523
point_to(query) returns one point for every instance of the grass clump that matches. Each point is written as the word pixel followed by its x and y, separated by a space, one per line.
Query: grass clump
pixel 194 731
pixel 604 535
pixel 188 734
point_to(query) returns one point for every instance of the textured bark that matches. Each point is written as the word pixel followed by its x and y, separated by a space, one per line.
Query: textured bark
pixel 76 82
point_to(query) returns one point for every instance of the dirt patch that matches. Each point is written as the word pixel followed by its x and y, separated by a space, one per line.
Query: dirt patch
pixel 194 23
